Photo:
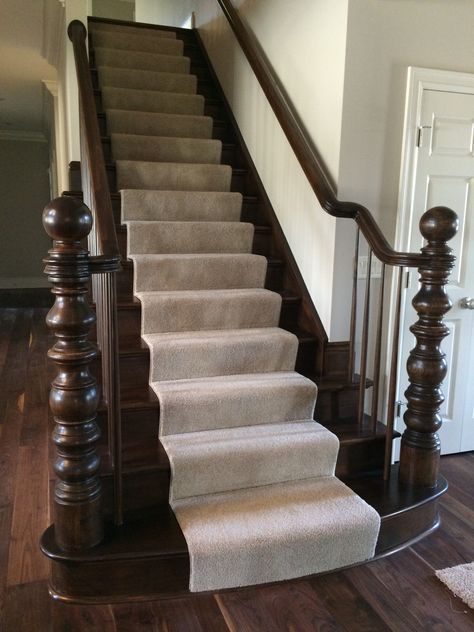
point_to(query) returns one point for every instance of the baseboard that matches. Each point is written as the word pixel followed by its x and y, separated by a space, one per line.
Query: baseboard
pixel 26 297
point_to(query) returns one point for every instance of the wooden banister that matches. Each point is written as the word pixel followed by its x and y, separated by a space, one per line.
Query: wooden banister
pixel 426 365
pixel 92 146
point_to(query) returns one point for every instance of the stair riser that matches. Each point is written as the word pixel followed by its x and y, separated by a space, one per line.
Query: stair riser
pixel 129 319
pixel 230 154
pixel 212 107
pixel 241 180
pixel 125 280
pixel 334 405
pixel 357 459
pixel 251 210
pixel 200 72
pixel 261 243
pixel 141 427
pixel 135 367
pixel 110 581
pixel 141 489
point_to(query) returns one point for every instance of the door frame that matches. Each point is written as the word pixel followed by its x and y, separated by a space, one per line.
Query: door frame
pixel 418 80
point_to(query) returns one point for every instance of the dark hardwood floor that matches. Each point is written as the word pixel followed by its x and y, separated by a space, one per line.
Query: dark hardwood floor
pixel 399 593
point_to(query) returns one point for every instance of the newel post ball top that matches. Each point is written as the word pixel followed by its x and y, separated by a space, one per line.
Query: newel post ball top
pixel 66 218
pixel 439 224
pixel 74 395
pixel 426 364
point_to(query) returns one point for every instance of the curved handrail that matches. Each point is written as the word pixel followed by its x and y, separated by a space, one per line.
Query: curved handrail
pixel 306 153
pixel 104 218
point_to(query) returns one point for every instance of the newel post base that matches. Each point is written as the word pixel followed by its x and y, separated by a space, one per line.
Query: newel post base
pixel 426 364
pixel 74 395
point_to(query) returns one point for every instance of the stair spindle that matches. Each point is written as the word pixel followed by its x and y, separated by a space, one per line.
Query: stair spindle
pixel 378 353
pixel 392 387
pixel 350 374
pixel 365 342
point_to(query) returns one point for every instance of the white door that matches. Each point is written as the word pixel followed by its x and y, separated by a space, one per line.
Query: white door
pixel 444 176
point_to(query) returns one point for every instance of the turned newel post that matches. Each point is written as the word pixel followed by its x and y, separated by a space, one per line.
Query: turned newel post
pixel 74 395
pixel 426 365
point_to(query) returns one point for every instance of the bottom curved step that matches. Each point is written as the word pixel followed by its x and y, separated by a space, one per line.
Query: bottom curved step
pixel 147 558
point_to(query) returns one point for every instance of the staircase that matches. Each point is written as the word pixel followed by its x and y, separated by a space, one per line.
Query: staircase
pixel 220 351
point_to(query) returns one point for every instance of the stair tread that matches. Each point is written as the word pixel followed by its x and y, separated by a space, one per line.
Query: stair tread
pixel 148 533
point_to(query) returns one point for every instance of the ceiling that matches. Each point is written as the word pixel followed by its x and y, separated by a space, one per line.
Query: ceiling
pixel 23 67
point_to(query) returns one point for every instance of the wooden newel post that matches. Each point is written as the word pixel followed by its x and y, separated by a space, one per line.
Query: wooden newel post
pixel 426 365
pixel 74 394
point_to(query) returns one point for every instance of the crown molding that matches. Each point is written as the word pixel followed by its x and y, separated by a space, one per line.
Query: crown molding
pixel 22 135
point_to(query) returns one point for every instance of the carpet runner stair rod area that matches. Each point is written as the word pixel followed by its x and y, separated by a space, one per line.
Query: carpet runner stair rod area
pixel 252 474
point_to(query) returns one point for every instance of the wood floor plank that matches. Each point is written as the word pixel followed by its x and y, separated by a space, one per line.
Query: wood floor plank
pixel 26 563
pixel 37 383
pixel 5 528
pixel 289 607
pixel 28 608
pixel 415 587
pixel 7 321
pixel 375 593
pixel 199 613
pixel 453 542
pixel 347 606
pixel 13 374
pixel 72 618
pixel 135 618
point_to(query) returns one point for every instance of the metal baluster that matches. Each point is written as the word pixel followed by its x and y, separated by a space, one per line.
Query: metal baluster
pixel 378 353
pixel 393 380
pixel 364 343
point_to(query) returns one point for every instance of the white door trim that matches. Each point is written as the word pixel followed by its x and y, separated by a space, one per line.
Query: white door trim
pixel 418 80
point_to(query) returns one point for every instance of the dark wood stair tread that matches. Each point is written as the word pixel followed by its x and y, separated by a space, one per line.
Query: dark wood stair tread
pixel 155 532
pixel 389 498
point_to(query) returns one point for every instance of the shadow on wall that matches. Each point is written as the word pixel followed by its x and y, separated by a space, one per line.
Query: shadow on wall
pixel 24 182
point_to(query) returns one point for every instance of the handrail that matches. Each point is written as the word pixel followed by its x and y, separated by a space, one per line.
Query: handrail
pixel 307 155
pixel 104 258
pixel 98 176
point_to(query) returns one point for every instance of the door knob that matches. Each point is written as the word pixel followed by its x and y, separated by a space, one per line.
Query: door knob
pixel 466 303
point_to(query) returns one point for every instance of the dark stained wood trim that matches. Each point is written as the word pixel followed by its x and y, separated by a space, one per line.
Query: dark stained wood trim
pixel 93 156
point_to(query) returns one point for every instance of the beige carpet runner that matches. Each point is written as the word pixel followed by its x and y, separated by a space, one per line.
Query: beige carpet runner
pixel 253 483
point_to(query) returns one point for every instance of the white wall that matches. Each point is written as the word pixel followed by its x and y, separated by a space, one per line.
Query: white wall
pixel 164 12
pixel 68 94
pixel 308 55
pixel 117 9
pixel 384 38
pixel 24 184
